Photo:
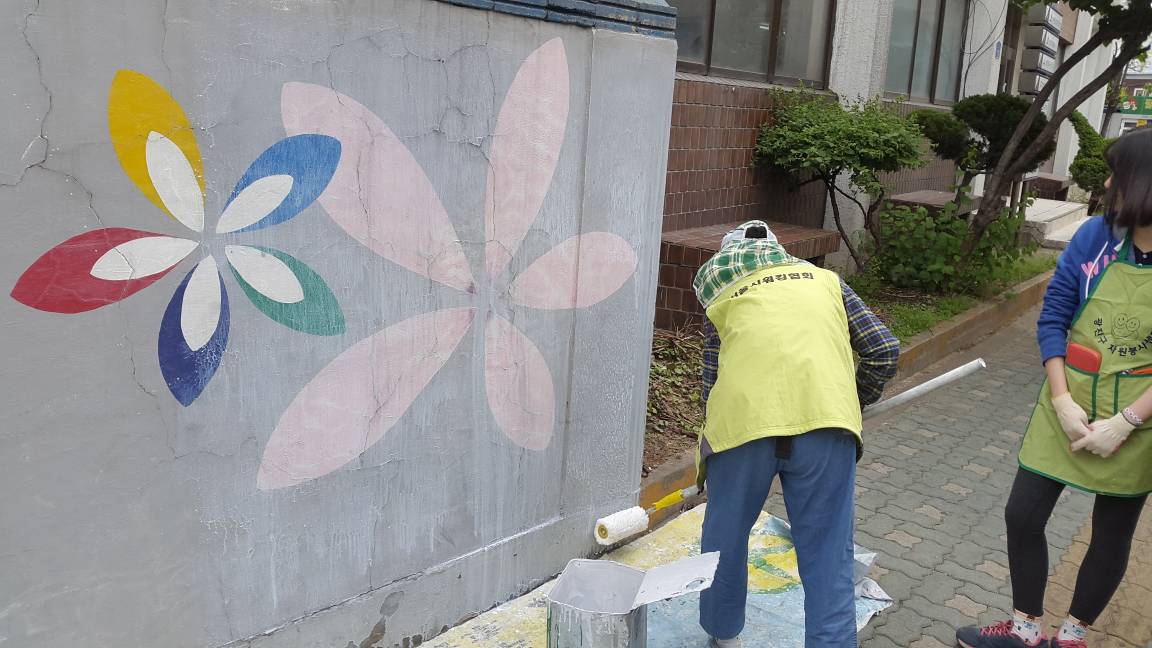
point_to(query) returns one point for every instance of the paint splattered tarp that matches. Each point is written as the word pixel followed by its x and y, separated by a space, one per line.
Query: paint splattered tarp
pixel 775 597
pixel 775 602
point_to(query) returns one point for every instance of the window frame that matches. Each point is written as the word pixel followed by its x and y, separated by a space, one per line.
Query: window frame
pixel 942 13
pixel 706 68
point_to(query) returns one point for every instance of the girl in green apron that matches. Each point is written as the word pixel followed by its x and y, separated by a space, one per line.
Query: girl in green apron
pixel 1088 429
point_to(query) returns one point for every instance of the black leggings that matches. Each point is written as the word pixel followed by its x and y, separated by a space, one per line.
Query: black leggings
pixel 1113 524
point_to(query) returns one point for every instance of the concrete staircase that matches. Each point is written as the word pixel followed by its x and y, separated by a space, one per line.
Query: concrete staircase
pixel 1052 223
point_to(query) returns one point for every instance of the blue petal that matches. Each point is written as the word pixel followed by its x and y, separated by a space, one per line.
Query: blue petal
pixel 188 372
pixel 309 159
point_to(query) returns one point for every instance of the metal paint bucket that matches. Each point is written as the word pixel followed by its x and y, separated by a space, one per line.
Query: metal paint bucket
pixel 602 604
pixel 591 606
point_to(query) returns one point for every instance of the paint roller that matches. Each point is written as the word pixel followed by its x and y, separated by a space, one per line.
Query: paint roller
pixel 629 522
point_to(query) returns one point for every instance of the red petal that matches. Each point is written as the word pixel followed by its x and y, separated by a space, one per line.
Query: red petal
pixel 61 280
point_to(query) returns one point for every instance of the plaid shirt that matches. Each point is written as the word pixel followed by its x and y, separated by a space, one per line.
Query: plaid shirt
pixel 878 349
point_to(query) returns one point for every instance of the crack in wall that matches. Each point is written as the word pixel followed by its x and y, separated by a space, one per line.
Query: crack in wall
pixel 43 136
pixel 164 40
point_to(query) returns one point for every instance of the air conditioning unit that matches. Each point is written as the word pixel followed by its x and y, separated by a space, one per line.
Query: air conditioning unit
pixel 1039 36
pixel 1037 60
pixel 1047 16
pixel 1032 83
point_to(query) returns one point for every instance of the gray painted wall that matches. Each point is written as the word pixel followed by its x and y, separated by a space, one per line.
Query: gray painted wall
pixel 130 519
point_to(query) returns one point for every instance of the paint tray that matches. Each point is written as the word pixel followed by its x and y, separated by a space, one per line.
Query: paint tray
pixel 603 604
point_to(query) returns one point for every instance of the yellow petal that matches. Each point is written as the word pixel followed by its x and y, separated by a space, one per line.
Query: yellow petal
pixel 137 106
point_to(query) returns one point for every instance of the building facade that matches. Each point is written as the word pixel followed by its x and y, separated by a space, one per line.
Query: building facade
pixel 928 53
pixel 1135 106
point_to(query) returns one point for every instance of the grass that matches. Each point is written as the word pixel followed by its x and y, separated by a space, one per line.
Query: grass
pixel 909 313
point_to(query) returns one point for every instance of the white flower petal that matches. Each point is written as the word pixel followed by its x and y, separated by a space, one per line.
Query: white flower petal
pixel 200 314
pixel 256 201
pixel 270 276
pixel 175 181
pixel 142 257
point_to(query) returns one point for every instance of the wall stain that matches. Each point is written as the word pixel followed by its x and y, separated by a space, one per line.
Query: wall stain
pixel 389 607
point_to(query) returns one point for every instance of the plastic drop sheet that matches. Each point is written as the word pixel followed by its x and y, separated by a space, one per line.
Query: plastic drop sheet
pixel 775 597
pixel 775 605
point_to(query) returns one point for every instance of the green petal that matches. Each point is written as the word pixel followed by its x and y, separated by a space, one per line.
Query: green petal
pixel 318 313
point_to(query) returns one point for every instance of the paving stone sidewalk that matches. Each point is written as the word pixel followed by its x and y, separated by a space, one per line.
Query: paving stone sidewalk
pixel 930 498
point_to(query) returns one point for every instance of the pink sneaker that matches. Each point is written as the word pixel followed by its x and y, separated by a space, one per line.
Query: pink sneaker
pixel 998 635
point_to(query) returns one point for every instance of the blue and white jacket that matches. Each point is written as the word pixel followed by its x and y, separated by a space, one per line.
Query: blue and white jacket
pixel 1094 246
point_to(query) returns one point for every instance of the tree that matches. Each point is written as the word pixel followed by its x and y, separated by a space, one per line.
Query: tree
pixel 1129 25
pixel 1090 168
pixel 816 139
pixel 976 132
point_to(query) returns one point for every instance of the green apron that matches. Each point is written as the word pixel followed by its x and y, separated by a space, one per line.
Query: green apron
pixel 1116 321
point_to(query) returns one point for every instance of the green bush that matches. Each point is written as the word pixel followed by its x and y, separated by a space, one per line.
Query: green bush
pixel 1090 168
pixel 993 118
pixel 976 132
pixel 924 250
pixel 815 139
pixel 948 136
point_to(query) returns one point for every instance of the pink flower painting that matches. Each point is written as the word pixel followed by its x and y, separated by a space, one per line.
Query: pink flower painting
pixel 381 197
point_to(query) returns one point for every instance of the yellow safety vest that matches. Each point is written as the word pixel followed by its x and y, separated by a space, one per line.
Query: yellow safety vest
pixel 786 364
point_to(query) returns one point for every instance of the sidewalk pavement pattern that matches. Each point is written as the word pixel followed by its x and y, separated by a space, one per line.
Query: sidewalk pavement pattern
pixel 931 491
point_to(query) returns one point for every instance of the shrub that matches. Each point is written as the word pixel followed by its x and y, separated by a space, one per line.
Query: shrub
pixel 1090 168
pixel 976 132
pixel 814 138
pixel 924 250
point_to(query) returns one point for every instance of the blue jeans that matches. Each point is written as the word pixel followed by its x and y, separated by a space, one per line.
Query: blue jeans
pixel 818 481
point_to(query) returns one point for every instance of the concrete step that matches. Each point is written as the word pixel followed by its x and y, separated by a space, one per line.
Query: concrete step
pixel 1058 239
pixel 1045 217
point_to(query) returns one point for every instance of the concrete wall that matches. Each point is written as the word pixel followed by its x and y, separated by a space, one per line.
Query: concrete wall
pixel 358 417
pixel 984 48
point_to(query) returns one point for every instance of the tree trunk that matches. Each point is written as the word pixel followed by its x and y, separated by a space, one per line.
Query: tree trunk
pixel 1111 101
pixel 1012 162
pixel 998 182
pixel 830 185
pixel 965 183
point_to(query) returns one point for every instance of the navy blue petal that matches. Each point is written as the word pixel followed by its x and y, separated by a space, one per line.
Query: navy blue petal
pixel 188 372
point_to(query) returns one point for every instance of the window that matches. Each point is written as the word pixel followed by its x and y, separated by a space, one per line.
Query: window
pixel 765 40
pixel 926 49
pixel 1139 92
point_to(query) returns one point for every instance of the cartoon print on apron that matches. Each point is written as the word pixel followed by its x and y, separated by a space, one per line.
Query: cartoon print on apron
pixel 1109 365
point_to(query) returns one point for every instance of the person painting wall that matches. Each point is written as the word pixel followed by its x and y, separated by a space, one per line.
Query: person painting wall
pixel 783 397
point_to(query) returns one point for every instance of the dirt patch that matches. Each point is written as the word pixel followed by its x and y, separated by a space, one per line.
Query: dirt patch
pixel 675 409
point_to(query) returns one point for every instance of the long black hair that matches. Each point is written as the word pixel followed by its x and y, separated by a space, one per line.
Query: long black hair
pixel 1129 200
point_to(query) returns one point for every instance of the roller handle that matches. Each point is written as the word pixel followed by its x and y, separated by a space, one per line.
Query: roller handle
pixel 674 498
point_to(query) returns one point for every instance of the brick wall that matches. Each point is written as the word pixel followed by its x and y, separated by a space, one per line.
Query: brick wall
pixel 715 123
pixel 682 252
pixel 937 175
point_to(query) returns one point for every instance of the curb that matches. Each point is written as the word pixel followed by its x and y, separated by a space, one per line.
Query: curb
pixel 924 350
pixel 970 327
pixel 674 475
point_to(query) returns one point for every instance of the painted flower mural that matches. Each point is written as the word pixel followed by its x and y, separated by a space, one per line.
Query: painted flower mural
pixel 157 149
pixel 383 199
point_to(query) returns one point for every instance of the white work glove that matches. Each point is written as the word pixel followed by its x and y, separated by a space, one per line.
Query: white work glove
pixel 1072 417
pixel 1105 436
